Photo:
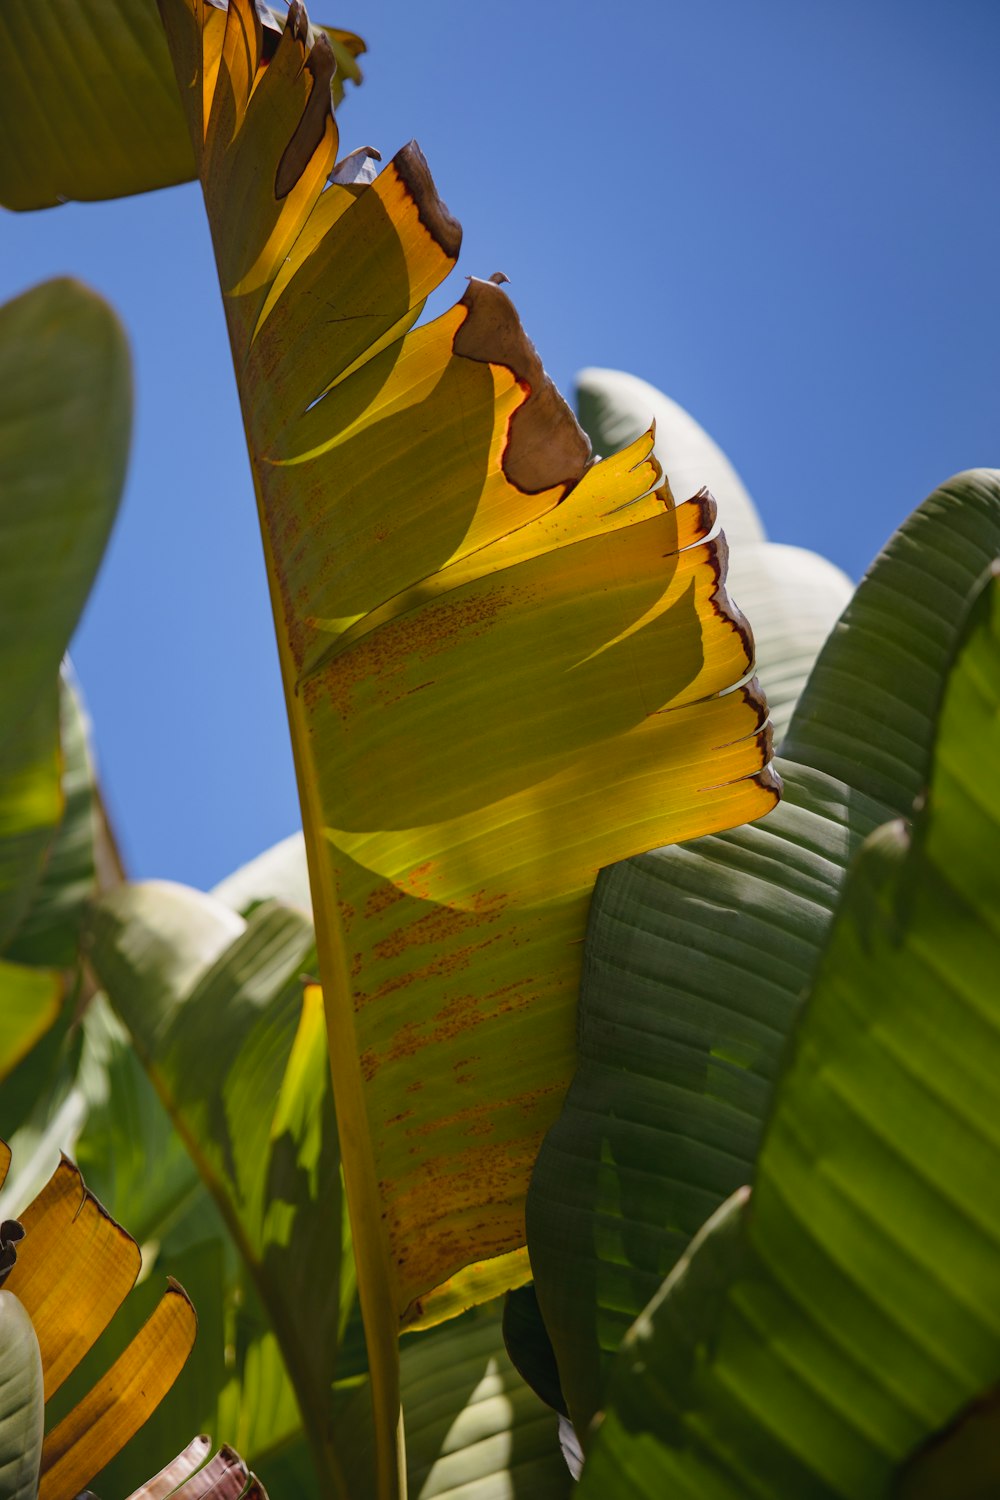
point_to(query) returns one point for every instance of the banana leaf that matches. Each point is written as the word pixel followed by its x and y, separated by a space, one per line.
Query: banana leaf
pixel 73 1268
pixel 22 1400
pixel 819 1335
pixel 63 446
pixel 792 595
pixel 504 667
pixel 233 1040
pixel 698 958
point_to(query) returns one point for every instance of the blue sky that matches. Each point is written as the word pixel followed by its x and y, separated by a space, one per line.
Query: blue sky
pixel 784 214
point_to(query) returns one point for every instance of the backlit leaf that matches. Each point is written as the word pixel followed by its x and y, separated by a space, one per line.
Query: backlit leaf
pixel 116 1407
pixel 503 668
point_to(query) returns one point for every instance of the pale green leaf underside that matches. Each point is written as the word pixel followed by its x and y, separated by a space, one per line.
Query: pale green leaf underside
pixel 22 1407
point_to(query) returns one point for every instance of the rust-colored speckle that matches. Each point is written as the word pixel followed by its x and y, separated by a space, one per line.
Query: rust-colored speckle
pixel 437 926
pixel 347 914
pixel 381 898
pixel 445 964
pixel 383 663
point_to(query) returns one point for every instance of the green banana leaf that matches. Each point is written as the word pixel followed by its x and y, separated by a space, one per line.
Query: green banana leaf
pixel 22 1401
pixel 88 104
pixel 234 1042
pixel 822 1333
pixel 63 446
pixel 698 958
pixel 792 596
pixel 48 933
pixel 474 1429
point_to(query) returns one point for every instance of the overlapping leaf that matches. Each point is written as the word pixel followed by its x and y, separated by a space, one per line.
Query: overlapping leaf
pixel 236 1048
pixel 503 668
pixel 698 958
pixel 791 595
pixel 88 105
pixel 853 1315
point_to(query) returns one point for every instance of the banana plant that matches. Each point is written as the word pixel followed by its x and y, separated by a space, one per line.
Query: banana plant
pixel 505 666
pixel 833 1331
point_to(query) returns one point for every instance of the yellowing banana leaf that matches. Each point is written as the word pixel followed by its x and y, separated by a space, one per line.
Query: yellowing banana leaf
pixel 88 106
pixel 504 667
pixel 792 595
pixel 74 1266
pixel 77 1268
pixel 116 1408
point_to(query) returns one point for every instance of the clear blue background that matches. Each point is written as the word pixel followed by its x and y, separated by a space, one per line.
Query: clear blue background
pixel 785 214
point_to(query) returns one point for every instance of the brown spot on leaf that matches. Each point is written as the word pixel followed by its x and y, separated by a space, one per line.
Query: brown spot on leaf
pixel 381 898
pixel 546 446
